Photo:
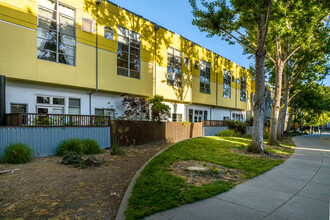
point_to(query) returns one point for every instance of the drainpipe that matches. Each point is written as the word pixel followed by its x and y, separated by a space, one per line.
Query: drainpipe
pixel 191 72
pixel 2 100
pixel 98 2
pixel 156 29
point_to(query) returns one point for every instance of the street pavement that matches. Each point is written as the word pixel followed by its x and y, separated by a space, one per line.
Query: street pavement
pixel 297 189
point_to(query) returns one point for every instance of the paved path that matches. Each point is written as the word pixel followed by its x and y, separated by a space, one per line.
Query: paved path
pixel 297 189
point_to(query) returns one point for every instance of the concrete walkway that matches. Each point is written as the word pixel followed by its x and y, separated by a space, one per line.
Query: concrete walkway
pixel 297 189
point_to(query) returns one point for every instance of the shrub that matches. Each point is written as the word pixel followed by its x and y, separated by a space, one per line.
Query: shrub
pixel 72 158
pixel 92 147
pixel 228 133
pixel 18 153
pixel 247 136
pixel 266 135
pixel 71 145
pixel 238 126
pixel 91 161
pixel 79 146
pixel 116 150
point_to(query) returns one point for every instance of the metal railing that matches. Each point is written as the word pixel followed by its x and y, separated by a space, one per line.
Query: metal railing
pixel 56 120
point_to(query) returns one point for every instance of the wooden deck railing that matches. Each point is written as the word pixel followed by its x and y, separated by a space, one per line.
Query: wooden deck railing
pixel 214 123
pixel 56 120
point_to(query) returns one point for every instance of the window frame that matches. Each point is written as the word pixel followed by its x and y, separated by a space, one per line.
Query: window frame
pixel 209 79
pixel 243 89
pixel 179 79
pixel 92 25
pixel 111 29
pixel 177 118
pixel 58 32
pixel 129 53
pixel 226 83
pixel 74 106
pixel 18 104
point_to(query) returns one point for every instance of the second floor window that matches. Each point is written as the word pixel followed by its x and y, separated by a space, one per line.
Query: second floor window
pixel 205 76
pixel 226 83
pixel 128 54
pixel 174 67
pixel 56 37
pixel 243 88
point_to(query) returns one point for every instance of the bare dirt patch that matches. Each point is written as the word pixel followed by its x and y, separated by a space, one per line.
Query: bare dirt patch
pixel 272 156
pixel 199 172
pixel 44 188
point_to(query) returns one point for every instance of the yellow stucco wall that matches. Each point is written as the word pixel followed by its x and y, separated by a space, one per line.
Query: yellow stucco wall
pixel 18 43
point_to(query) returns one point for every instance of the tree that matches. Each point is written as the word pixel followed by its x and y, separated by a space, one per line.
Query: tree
pixel 159 110
pixel 135 108
pixel 230 22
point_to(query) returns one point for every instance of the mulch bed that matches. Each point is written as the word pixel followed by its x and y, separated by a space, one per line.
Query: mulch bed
pixel 200 172
pixel 44 188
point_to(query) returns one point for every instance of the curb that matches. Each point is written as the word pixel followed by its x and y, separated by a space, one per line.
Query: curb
pixel 128 193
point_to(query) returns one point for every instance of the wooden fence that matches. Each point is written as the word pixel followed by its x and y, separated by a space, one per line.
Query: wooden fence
pixel 143 132
pixel 214 123
pixel 56 120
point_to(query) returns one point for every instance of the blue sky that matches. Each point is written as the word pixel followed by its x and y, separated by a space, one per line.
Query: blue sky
pixel 176 16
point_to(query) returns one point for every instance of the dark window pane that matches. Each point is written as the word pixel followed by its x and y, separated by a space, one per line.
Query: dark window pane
pixel 17 108
pixel 122 55
pixel 122 47
pixel 43 100
pixel 66 59
pixel 134 74
pixel 122 72
pixel 135 51
pixel 122 63
pixel 74 102
pixel 49 44
pixel 58 101
pixel 134 66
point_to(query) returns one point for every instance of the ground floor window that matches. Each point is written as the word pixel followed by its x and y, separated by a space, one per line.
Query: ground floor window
pixel 74 106
pixel 102 112
pixel 225 118
pixel 176 117
pixel 237 117
pixel 18 108
pixel 197 115
pixel 50 104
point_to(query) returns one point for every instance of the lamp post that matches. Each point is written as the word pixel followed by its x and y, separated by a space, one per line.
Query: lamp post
pixel 98 2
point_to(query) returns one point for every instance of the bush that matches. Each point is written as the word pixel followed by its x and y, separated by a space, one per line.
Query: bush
pixel 238 126
pixel 116 150
pixel 72 145
pixel 79 146
pixel 266 135
pixel 228 133
pixel 92 147
pixel 247 136
pixel 18 153
pixel 72 158
pixel 92 161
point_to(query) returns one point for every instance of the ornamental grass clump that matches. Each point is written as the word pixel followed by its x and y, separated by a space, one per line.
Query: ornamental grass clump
pixel 17 153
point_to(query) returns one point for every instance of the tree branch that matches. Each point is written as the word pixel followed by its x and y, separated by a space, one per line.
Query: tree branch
pixel 239 41
pixel 267 23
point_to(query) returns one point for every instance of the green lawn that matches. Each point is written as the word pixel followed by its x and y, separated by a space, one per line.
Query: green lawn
pixel 157 190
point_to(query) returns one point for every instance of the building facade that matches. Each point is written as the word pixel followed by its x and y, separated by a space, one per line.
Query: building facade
pixel 48 55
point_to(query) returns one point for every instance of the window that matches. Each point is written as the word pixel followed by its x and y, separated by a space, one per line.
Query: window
pixel 18 108
pixel 43 99
pixel 226 83
pixel 56 34
pixel 197 115
pixel 186 61
pixel 58 101
pixel 108 33
pixel 74 106
pixel 225 118
pixel 87 25
pixel 233 78
pixel 176 117
pixel 196 65
pixel 128 62
pixel 102 112
pixel 205 76
pixel 174 67
pixel 243 89
pixel 50 105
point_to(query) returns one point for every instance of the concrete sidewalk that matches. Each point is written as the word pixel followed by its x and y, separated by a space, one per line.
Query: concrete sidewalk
pixel 297 189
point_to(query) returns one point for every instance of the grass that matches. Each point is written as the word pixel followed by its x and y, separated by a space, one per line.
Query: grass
pixel 157 190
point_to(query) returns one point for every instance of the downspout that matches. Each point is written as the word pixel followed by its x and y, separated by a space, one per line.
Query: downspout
pixel 156 29
pixel 191 84
pixel 2 100
pixel 98 2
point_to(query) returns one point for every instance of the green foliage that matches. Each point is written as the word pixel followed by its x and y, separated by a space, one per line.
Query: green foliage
pixel 17 153
pixel 79 146
pixel 159 110
pixel 157 182
pixel 116 150
pixel 72 158
pixel 92 147
pixel 266 135
pixel 228 133
pixel 91 161
pixel 237 126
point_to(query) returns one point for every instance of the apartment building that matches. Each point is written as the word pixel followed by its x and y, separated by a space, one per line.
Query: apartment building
pixel 58 58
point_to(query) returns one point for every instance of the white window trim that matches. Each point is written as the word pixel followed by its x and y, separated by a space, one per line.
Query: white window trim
pixel 93 25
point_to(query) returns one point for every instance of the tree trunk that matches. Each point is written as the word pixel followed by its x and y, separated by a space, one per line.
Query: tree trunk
pixel 290 117
pixel 284 107
pixel 257 144
pixel 272 140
